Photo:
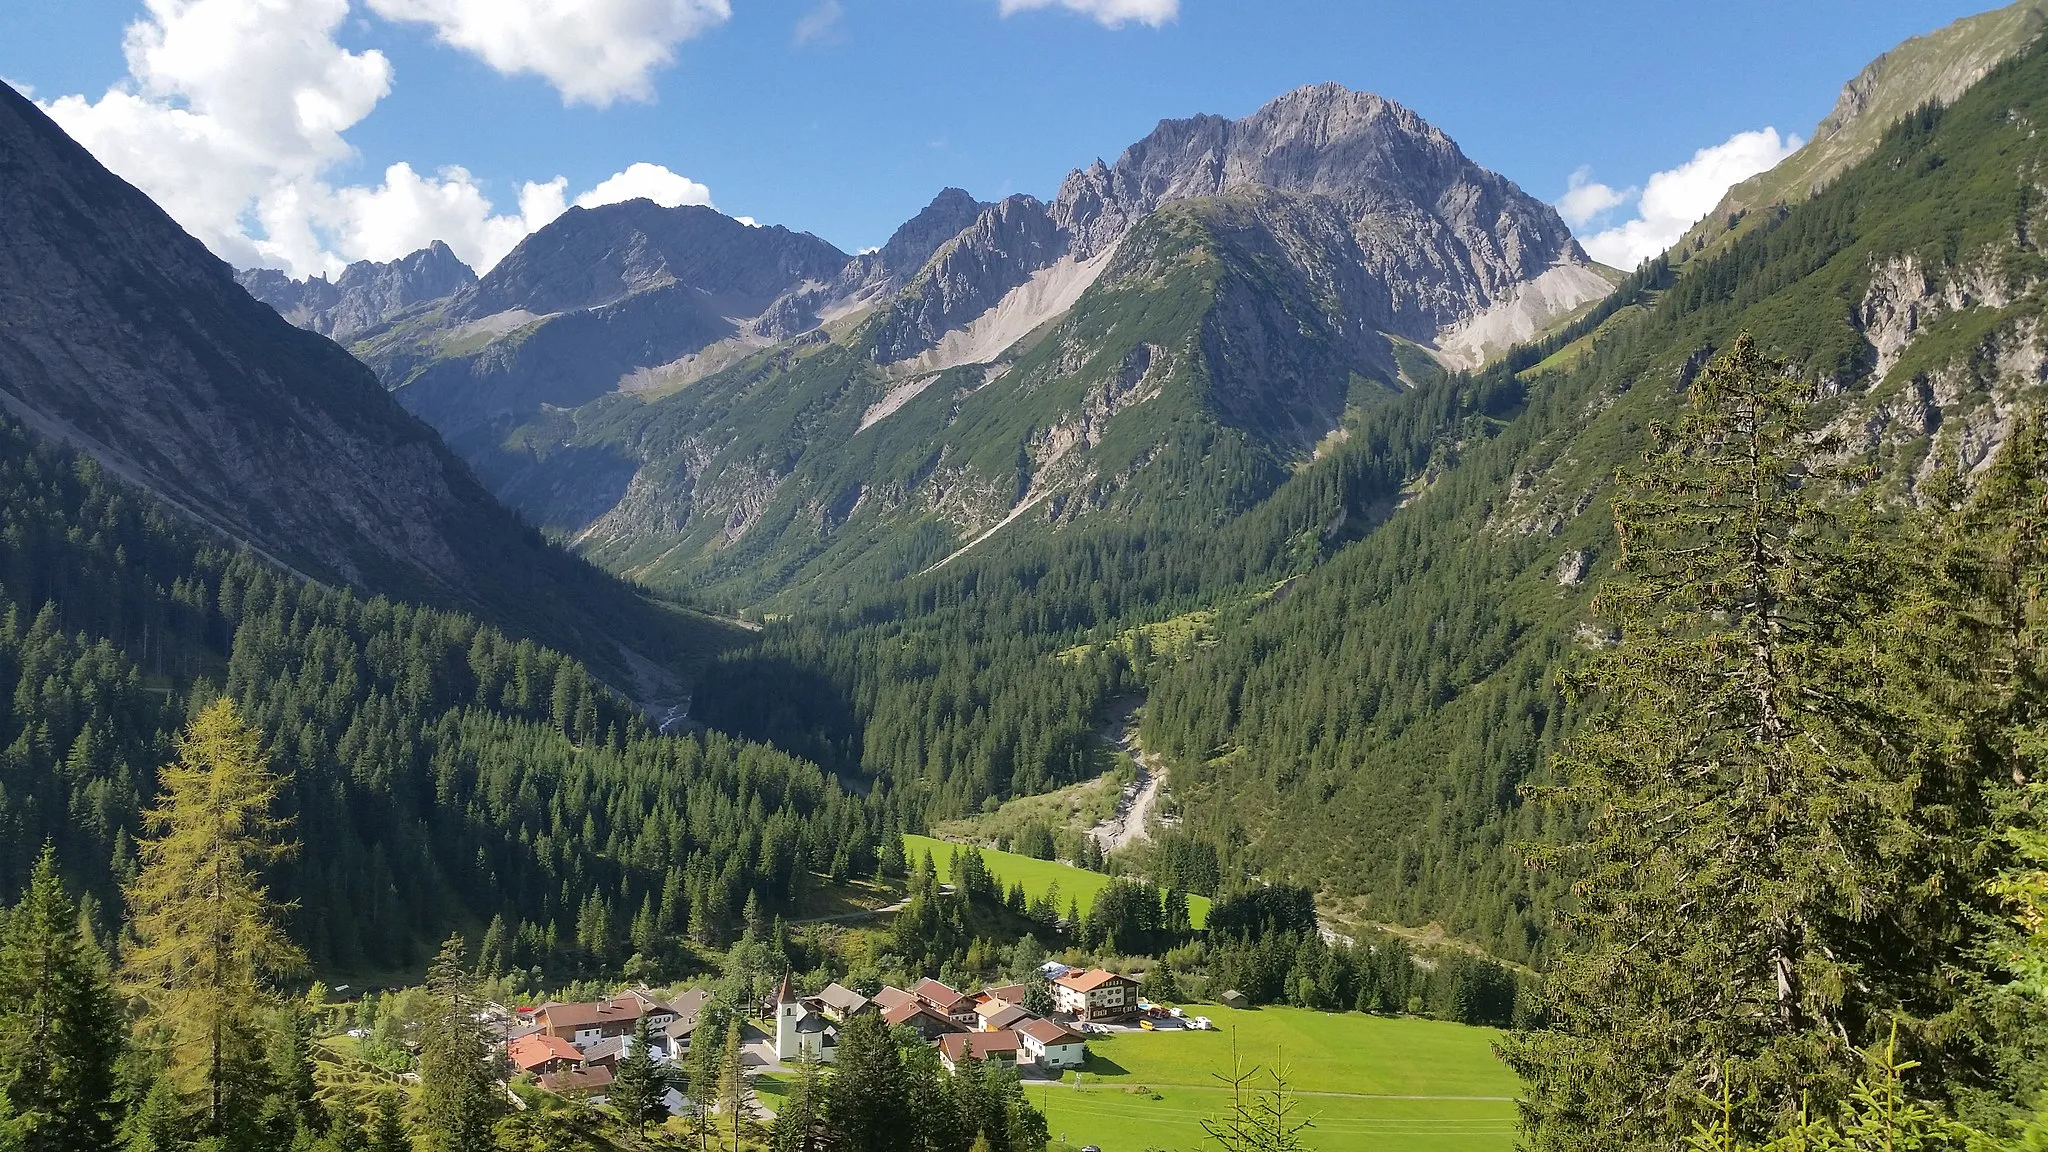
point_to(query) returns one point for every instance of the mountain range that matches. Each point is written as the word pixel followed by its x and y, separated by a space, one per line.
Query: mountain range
pixel 750 412
pixel 1297 428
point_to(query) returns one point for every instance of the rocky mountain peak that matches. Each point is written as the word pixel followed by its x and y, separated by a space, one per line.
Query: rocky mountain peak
pixel 592 256
pixel 367 294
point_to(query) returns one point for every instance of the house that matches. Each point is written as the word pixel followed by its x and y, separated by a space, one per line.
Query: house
pixel 960 1047
pixel 919 1016
pixel 540 1053
pixel 1007 994
pixel 1053 969
pixel 1048 1045
pixel 840 1002
pixel 801 1029
pixel 1235 999
pixel 1004 1016
pixel 607 1053
pixel 1096 995
pixel 577 1081
pixel 945 1001
pixel 674 1040
pixel 892 997
pixel 591 1021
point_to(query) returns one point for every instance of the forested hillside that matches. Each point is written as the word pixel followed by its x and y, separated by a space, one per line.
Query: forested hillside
pixel 1391 622
pixel 442 774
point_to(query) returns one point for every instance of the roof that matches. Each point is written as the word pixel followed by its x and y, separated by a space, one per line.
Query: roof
pixel 978 1045
pixel 1008 993
pixel 530 1052
pixel 840 998
pixel 937 995
pixel 606 1048
pixel 1090 980
pixel 905 1013
pixel 1048 1032
pixel 782 994
pixel 578 1080
pixel 687 1007
pixel 1010 1015
pixel 891 997
pixel 1053 969
pixel 812 1022
pixel 626 1007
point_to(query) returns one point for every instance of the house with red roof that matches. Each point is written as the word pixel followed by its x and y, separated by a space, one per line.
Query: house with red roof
pixel 541 1053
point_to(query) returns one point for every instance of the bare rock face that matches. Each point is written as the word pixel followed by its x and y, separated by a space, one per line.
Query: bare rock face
pixel 1446 237
pixel 366 295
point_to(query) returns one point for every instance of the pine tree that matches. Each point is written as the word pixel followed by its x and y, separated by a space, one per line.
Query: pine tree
pixel 207 933
pixel 1746 829
pixel 458 1092
pixel 637 1087
pixel 60 1027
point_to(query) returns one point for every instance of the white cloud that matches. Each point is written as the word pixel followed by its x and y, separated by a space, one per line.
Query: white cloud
pixel 28 90
pixel 1585 201
pixel 1674 200
pixel 234 114
pixel 820 24
pixel 646 181
pixel 1108 13
pixel 593 52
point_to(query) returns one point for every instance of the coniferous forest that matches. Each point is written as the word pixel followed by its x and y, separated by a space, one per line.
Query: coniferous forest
pixel 1669 695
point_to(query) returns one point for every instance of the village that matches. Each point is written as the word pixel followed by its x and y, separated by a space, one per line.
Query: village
pixel 574 1049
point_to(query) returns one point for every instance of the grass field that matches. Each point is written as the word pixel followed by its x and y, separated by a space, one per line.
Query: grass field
pixel 1369 1083
pixel 1035 875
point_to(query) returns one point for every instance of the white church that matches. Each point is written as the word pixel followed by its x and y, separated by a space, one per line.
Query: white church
pixel 801 1028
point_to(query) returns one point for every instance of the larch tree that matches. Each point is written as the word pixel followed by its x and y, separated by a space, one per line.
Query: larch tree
pixel 1746 791
pixel 207 933
pixel 60 1026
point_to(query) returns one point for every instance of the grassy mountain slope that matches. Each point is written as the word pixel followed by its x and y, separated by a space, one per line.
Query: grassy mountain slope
pixel 1218 348
pixel 1937 67
pixel 1405 689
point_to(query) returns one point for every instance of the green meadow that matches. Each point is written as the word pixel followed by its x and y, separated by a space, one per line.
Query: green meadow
pixel 1367 1082
pixel 1035 875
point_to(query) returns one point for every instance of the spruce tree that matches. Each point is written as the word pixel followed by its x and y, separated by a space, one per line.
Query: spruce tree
pixel 388 1133
pixel 637 1087
pixel 60 1027
pixel 207 932
pixel 865 1101
pixel 797 1124
pixel 160 1123
pixel 458 1091
pixel 1747 819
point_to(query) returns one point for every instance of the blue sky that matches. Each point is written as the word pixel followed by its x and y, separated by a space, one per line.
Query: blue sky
pixel 844 117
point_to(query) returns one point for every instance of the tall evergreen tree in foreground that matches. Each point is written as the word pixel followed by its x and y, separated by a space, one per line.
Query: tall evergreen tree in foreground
pixel 458 1085
pixel 207 934
pixel 1748 782
pixel 60 1027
